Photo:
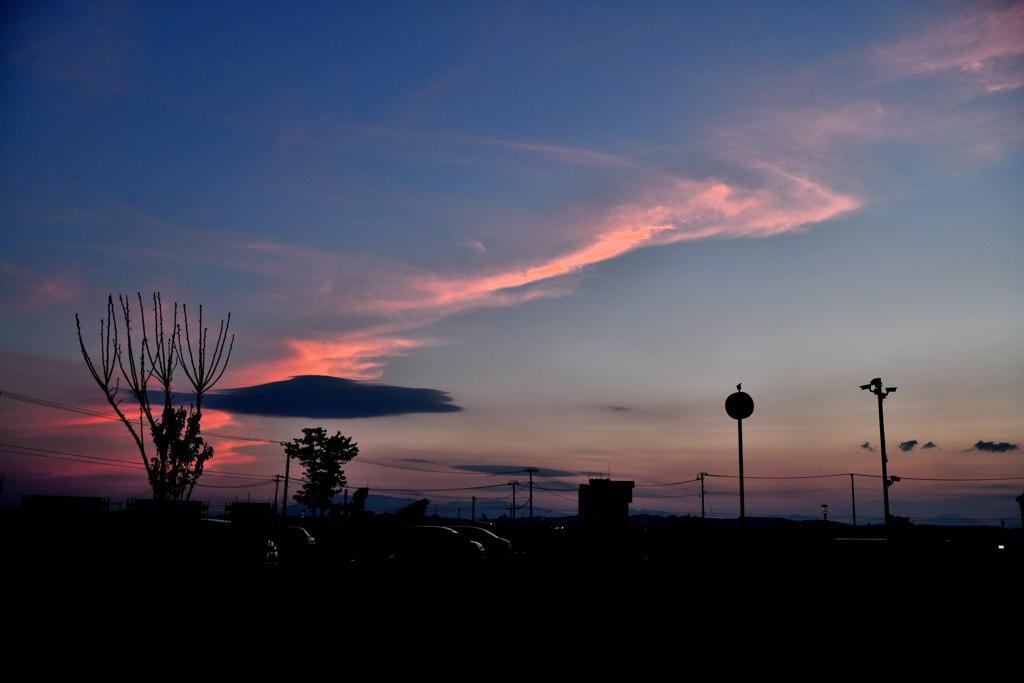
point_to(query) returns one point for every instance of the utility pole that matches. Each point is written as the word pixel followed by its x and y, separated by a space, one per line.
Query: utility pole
pixel 514 485
pixel 284 499
pixel 277 480
pixel 531 470
pixel 853 500
pixel 875 387
pixel 702 518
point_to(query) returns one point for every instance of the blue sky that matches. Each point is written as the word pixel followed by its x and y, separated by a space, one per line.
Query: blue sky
pixel 586 225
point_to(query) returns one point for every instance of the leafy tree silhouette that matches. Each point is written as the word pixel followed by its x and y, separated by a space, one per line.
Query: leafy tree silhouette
pixel 180 450
pixel 322 457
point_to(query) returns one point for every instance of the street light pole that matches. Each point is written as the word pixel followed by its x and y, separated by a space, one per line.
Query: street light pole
pixel 740 406
pixel 743 514
pixel 875 387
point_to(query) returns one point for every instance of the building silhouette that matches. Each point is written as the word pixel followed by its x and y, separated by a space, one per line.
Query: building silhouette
pixel 604 502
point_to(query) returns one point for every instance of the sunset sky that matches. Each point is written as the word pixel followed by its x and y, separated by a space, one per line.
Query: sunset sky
pixel 581 224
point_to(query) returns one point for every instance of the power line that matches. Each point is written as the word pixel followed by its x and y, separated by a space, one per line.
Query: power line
pixel 675 483
pixel 106 416
pixel 99 460
pixel 986 479
pixel 235 486
pixel 114 418
pixel 805 476
pixel 566 486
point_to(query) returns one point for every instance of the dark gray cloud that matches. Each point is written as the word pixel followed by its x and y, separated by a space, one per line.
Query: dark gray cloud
pixel 907 446
pixel 491 469
pixel 618 409
pixel 320 396
pixel 929 445
pixel 993 447
pixel 513 469
pixel 867 446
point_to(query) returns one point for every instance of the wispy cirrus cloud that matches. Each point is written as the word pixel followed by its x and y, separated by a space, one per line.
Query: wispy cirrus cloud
pixel 547 151
pixel 353 312
pixel 24 289
pixel 837 129
pixel 90 45
pixel 985 46
pixel 381 301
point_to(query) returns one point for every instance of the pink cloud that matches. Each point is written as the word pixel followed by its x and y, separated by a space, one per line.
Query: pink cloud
pixel 358 356
pixel 986 46
pixel 972 55
pixel 392 299
pixel 569 155
pixel 23 289
pixel 94 46
pixel 813 140
pixel 560 153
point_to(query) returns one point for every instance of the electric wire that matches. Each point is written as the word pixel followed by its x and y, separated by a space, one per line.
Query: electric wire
pixel 262 480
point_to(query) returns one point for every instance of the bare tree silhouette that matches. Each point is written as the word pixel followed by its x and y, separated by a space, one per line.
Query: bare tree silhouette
pixel 180 450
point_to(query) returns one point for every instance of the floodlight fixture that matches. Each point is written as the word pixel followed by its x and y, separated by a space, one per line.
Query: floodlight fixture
pixel 865 386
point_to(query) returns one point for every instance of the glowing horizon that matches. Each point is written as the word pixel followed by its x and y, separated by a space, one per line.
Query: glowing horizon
pixel 582 231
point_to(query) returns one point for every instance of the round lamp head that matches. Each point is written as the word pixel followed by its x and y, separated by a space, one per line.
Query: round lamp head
pixel 739 405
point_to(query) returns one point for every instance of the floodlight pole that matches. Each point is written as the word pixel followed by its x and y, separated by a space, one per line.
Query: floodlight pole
pixel 885 460
pixel 875 387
